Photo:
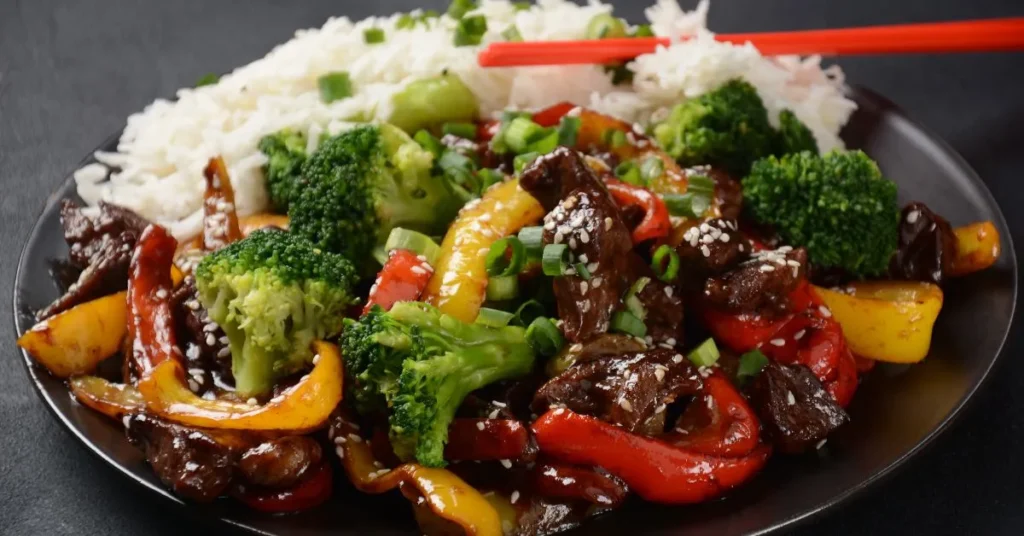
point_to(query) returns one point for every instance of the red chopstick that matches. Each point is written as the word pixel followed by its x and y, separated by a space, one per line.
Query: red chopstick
pixel 962 36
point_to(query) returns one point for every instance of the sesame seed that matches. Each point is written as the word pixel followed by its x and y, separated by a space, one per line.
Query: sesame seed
pixel 193 385
pixel 161 294
pixel 765 268
pixel 499 404
pixel 790 399
pixel 668 291
pixel 212 326
pixel 558 237
pixel 340 440
pixel 210 339
pixel 507 464
pixel 224 352
pixel 821 443
pixel 514 497
pixel 799 335
pixel 659 409
pixel 793 263
pixel 603 499
pixel 572 243
pixel 624 404
pixel 559 411
pixel 584 236
pixel 583 257
pixel 340 452
pixel 678 358
pixel 596 282
pixel 608 223
pixel 824 311
pixel 659 374
pixel 912 216
pixel 355 438
pixel 592 267
pixel 480 425
pixel 549 225
pixel 494 414
pixel 778 342
pixel 584 287
pixel 251 402
pixel 724 238
pixel 192 304
pixel 705 251
pixel 418 270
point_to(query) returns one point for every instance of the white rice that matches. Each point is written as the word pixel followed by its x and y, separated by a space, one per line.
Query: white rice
pixel 157 169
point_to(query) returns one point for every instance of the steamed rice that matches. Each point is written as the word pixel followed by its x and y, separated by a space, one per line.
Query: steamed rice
pixel 157 168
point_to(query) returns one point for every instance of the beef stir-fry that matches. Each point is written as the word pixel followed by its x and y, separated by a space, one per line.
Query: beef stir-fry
pixel 612 310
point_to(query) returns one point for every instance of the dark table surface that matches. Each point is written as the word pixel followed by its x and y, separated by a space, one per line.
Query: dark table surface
pixel 70 72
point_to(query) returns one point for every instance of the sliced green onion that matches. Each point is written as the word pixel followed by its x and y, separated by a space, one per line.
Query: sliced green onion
pixel 533 240
pixel 522 6
pixel 636 307
pixel 643 30
pixel 208 79
pixel 506 257
pixel 416 242
pixel 334 86
pixel 545 337
pixel 546 143
pixel 704 355
pixel 604 26
pixel 628 172
pixel 429 142
pixel 554 260
pixel 502 288
pixel 568 129
pixel 581 271
pixel 462 130
pixel 614 137
pixel 750 365
pixel 665 263
pixel 688 205
pixel 700 184
pixel 489 177
pixel 528 312
pixel 405 22
pixel 638 286
pixel 620 74
pixel 373 36
pixel 459 168
pixel 521 161
pixel 652 168
pixel 458 8
pixel 520 132
pixel 470 31
pixel 626 322
pixel 494 318
pixel 512 34
pixel 380 255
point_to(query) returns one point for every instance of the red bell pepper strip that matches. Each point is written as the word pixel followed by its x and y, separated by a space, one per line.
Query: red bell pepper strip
pixel 657 471
pixel 310 492
pixel 845 383
pixel 718 421
pixel 486 130
pixel 550 116
pixel 574 482
pixel 656 223
pixel 486 439
pixel 403 278
pixel 150 325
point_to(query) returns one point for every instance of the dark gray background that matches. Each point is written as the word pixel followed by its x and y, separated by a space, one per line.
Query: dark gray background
pixel 70 72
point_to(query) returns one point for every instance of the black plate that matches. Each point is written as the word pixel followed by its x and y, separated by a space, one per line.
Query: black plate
pixel 897 410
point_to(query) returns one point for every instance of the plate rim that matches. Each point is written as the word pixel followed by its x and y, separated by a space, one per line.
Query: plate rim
pixel 35 372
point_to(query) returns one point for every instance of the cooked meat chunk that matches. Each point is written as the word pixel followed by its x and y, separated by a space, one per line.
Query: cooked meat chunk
pixel 630 390
pixel 101 246
pixel 664 306
pixel 762 283
pixel 708 249
pixel 795 411
pixel 585 218
pixel 927 246
pixel 281 462
pixel 206 349
pixel 196 464
pixel 728 193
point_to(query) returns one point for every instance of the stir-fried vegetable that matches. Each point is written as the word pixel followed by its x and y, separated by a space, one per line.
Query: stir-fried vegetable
pixel 459 284
pixel 77 340
pixel 432 101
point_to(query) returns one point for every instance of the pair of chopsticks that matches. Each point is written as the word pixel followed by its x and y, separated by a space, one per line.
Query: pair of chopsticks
pixel 962 36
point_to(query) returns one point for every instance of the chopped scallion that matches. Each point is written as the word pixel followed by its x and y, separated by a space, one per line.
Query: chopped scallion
pixel 628 172
pixel 545 337
pixel 615 138
pixel 528 311
pixel 512 34
pixel 506 257
pixel 334 86
pixel 521 6
pixel 520 132
pixel 416 242
pixel 638 286
pixel 502 288
pixel 704 355
pixel 462 130
pixel 643 30
pixel 489 177
pixel 665 263
pixel 207 79
pixel 521 161
pixel 652 168
pixel 458 8
pixel 555 259
pixel 429 142
pixel 688 205
pixel 581 271
pixel 568 129
pixel 750 365
pixel 470 31
pixel 373 36
pixel 626 322
pixel 533 240
pixel 700 184
pixel 494 318
pixel 604 26
pixel 636 307
pixel 405 22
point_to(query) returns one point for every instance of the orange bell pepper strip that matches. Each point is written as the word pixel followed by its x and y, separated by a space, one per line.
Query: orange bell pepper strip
pixel 301 408
pixel 220 220
pixel 447 495
pixel 656 470
pixel 459 283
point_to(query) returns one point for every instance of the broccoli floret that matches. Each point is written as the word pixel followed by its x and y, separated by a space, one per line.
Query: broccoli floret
pixel 418 365
pixel 838 206
pixel 286 152
pixel 727 127
pixel 273 294
pixel 363 183
pixel 793 136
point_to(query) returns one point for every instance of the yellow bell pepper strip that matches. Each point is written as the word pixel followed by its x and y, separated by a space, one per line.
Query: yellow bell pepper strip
pixel 447 495
pixel 977 248
pixel 301 408
pixel 254 222
pixel 886 320
pixel 220 220
pixel 459 282
pixel 114 400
